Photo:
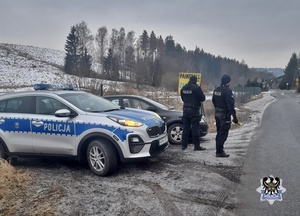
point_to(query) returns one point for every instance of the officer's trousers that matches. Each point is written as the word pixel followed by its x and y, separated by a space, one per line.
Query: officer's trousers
pixel 223 123
pixel 191 120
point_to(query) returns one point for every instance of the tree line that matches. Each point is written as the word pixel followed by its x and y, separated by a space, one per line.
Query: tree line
pixel 144 60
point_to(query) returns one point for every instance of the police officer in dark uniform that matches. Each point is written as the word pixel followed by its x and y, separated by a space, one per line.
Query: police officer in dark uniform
pixel 223 102
pixel 192 96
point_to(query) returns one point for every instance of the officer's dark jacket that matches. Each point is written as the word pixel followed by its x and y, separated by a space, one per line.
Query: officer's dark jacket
pixel 223 100
pixel 192 96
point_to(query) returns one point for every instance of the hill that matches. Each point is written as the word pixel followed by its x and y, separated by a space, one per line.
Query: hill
pixel 23 66
pixel 275 71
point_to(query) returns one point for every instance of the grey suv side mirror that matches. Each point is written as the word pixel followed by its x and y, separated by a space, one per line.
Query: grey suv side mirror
pixel 151 108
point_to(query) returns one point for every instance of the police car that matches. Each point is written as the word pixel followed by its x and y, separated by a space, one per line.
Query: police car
pixel 55 120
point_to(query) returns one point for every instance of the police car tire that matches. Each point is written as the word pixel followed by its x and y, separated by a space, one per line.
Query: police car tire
pixel 173 133
pixel 108 158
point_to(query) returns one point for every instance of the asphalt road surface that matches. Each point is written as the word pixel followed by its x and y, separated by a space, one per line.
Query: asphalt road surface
pixel 274 150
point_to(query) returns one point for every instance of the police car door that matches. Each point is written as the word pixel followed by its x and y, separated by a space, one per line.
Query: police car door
pixel 51 134
pixel 15 127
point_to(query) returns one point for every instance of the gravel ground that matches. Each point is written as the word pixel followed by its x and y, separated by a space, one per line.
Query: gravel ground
pixel 174 183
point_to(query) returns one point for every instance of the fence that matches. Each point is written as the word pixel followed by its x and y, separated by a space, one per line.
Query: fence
pixel 244 94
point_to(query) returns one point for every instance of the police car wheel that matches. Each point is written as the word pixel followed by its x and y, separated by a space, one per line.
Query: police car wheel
pixel 175 133
pixel 102 157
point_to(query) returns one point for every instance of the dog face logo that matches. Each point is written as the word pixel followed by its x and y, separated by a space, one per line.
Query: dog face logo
pixel 271 189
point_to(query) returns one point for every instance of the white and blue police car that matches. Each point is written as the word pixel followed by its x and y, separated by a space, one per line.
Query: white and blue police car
pixel 55 120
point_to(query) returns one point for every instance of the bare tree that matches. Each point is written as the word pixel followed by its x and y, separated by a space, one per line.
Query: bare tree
pixel 85 36
pixel 114 40
pixel 86 39
pixel 121 51
pixel 129 55
pixel 101 43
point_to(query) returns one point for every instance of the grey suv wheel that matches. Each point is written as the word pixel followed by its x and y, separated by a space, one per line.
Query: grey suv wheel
pixel 175 133
pixel 102 157
pixel 1 151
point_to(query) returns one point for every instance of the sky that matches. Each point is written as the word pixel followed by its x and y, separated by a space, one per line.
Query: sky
pixel 263 33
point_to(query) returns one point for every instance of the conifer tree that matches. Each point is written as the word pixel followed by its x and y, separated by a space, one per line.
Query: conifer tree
pixel 170 45
pixel 144 44
pixel 153 44
pixel 86 64
pixel 111 66
pixel 160 47
pixel 72 58
pixel 290 73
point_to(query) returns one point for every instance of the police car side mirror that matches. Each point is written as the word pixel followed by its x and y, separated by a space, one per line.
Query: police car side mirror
pixel 63 113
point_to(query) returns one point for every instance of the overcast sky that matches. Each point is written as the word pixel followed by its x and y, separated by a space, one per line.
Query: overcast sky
pixel 263 33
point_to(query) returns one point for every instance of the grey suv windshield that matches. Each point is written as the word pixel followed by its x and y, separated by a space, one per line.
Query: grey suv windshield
pixel 89 102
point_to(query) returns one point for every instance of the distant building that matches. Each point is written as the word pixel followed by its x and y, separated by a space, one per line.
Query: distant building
pixel 277 81
pixel 204 86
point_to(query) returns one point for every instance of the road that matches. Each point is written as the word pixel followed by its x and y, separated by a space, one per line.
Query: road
pixel 273 150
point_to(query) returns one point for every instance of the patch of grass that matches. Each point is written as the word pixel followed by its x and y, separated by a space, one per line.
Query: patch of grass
pixel 243 116
pixel 13 185
pixel 210 115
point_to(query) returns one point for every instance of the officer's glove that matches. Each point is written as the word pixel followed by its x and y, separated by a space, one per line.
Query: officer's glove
pixel 235 120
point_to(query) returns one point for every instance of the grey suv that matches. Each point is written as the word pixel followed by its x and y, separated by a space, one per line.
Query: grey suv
pixel 173 118
pixel 55 120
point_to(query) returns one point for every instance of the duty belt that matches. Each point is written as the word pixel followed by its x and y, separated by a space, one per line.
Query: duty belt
pixel 191 107
pixel 221 110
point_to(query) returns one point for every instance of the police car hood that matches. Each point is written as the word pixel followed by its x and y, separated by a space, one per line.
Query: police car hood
pixel 146 117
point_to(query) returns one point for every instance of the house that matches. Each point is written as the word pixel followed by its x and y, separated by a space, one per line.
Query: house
pixel 204 86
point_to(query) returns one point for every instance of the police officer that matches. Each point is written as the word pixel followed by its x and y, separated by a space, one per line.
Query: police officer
pixel 223 102
pixel 192 96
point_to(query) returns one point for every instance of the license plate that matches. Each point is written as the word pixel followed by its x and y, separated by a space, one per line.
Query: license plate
pixel 163 140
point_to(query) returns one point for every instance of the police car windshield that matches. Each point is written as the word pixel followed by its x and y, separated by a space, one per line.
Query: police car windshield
pixel 89 102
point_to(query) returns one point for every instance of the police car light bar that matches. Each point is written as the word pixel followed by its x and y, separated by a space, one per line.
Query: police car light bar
pixel 43 86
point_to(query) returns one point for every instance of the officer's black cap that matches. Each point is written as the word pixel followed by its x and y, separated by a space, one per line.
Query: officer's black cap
pixel 225 79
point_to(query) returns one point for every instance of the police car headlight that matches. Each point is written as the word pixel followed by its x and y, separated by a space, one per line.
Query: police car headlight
pixel 125 122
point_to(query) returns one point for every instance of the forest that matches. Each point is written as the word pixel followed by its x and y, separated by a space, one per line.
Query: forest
pixel 149 59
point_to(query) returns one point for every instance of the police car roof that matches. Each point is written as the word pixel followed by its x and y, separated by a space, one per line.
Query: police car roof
pixel 43 89
pixel 36 93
